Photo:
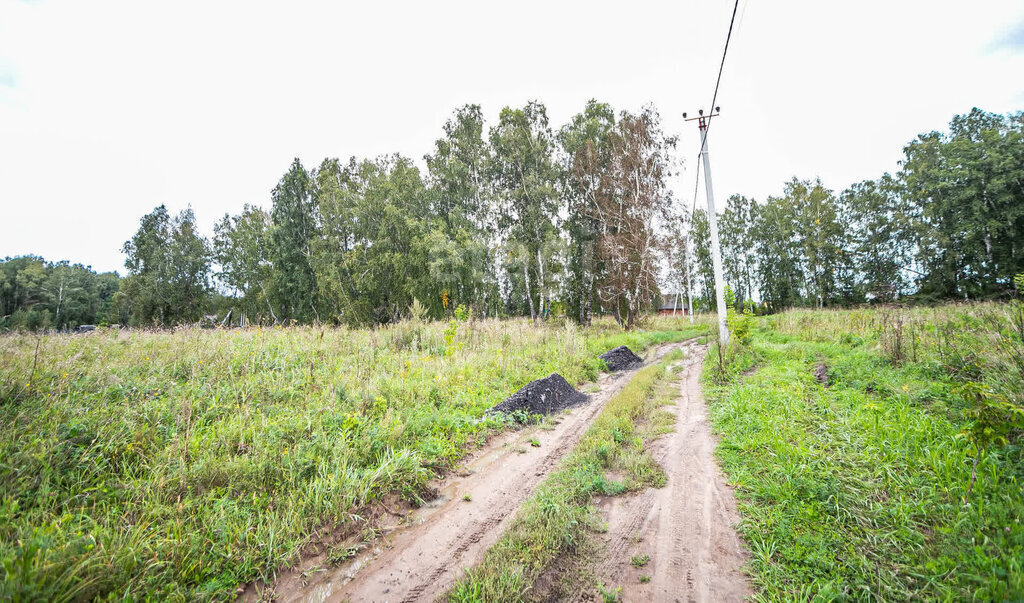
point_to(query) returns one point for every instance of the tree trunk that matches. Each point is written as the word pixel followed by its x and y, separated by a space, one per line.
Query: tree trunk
pixel 540 280
pixel 529 293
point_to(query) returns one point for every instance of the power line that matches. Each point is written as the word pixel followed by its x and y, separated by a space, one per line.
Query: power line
pixel 714 99
pixel 721 66
pixel 693 206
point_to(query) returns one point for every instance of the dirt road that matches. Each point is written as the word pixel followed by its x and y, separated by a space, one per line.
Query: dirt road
pixel 686 529
pixel 421 559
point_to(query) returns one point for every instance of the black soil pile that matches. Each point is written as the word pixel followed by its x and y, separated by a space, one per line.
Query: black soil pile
pixel 543 397
pixel 621 359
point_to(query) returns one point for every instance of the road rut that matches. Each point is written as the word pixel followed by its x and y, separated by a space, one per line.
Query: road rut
pixel 687 528
pixel 420 561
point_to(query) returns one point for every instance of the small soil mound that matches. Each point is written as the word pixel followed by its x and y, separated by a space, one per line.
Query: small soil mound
pixel 543 396
pixel 621 359
pixel 821 374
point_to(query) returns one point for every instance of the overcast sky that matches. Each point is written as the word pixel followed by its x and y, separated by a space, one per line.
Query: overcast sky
pixel 108 109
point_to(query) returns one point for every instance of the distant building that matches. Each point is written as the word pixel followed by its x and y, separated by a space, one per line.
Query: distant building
pixel 672 303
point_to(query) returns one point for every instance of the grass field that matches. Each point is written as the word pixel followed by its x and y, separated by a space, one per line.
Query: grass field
pixel 857 488
pixel 876 453
pixel 178 465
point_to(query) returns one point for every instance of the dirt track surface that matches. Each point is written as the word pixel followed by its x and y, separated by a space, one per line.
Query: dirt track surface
pixel 421 560
pixel 686 528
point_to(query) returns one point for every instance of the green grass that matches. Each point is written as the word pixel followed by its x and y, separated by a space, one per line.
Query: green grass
pixel 182 464
pixel 555 521
pixel 857 490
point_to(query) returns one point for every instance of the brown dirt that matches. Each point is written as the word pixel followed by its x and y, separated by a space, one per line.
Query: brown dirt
pixel 420 559
pixel 687 527
pixel 821 373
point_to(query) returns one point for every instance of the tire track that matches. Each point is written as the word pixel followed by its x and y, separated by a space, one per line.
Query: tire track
pixel 424 559
pixel 688 526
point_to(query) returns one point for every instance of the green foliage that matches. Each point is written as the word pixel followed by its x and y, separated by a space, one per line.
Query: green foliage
pixel 856 490
pixel 241 248
pixel 293 217
pixel 36 294
pixel 523 172
pixel 964 186
pixel 586 141
pixel 739 323
pixel 608 594
pixel 452 328
pixel 169 265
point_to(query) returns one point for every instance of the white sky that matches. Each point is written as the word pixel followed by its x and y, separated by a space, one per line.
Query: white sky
pixel 108 109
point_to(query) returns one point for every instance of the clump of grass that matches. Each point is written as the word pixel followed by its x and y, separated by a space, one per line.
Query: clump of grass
pixel 339 554
pixel 467 497
pixel 179 464
pixel 554 521
pixel 639 560
pixel 608 594
pixel 644 579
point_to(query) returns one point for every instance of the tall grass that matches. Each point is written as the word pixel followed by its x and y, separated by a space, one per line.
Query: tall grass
pixel 182 464
pixel 857 488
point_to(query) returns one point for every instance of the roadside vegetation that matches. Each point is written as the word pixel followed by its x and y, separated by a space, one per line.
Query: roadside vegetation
pixel 183 464
pixel 556 521
pixel 877 454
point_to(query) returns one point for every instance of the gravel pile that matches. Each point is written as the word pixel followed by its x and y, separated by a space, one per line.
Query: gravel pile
pixel 621 359
pixel 543 396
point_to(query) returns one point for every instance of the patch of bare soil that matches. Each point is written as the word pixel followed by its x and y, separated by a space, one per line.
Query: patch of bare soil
pixel 685 529
pixel 421 558
pixel 821 374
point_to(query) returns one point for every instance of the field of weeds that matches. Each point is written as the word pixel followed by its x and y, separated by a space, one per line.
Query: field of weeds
pixel 877 454
pixel 183 464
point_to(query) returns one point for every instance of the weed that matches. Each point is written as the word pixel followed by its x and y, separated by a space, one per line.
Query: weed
pixel 337 555
pixel 640 560
pixel 644 579
pixel 608 595
pixel 467 497
pixel 535 442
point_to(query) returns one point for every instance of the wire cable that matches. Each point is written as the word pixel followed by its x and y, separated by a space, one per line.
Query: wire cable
pixel 721 67
pixel 714 99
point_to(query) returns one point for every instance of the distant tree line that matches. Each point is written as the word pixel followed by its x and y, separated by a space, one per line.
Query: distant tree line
pixel 36 294
pixel 526 220
pixel 520 219
pixel 517 219
pixel 948 225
